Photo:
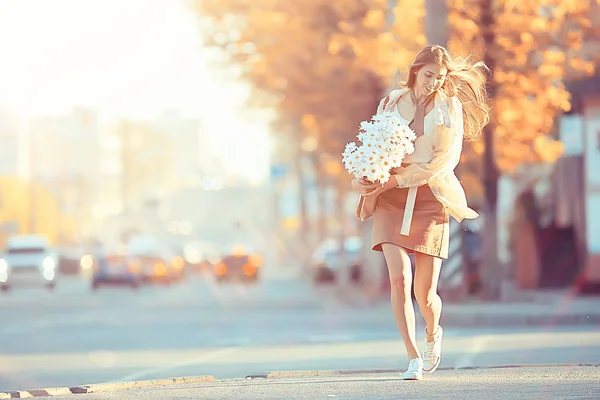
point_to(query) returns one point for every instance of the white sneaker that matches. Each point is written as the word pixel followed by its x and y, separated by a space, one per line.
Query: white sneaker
pixel 414 371
pixel 433 352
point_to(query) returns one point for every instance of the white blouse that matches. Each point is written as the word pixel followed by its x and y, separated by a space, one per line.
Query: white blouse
pixel 437 153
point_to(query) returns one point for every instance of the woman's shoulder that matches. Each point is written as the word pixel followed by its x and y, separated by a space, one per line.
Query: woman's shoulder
pixel 454 103
pixel 395 94
pixel 391 98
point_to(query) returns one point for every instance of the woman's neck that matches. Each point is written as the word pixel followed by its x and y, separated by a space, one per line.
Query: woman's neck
pixel 418 95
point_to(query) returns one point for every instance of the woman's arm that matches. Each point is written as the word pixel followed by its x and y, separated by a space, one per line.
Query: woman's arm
pixel 382 104
pixel 446 154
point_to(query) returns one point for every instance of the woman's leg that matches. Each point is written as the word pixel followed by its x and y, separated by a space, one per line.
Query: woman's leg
pixel 400 272
pixel 427 274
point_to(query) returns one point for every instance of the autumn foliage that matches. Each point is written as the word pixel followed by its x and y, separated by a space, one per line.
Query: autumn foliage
pixel 537 46
pixel 324 64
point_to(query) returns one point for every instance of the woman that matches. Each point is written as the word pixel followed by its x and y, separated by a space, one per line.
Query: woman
pixel 443 101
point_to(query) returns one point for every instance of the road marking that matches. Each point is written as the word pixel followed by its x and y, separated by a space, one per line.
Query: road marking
pixel 204 358
pixel 477 346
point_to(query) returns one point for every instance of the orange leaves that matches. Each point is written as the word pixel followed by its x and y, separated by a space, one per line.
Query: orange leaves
pixel 335 46
pixel 539 24
pixel 537 46
pixel 310 123
pixel 551 71
pixel 558 98
pixel 581 65
pixel 565 7
pixel 549 150
pixel 574 40
pixel 554 57
pixel 374 19
pixel 323 64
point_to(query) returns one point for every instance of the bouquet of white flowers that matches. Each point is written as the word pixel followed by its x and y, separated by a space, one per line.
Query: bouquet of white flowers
pixel 386 141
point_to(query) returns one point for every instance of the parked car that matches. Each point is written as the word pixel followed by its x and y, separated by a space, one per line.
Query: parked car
pixel 329 262
pixel 240 264
pixel 112 269
pixel 28 260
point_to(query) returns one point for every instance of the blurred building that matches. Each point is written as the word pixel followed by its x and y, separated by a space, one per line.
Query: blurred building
pixel 10 167
pixel 49 170
pixel 64 152
pixel 149 161
pixel 576 180
pixel 186 144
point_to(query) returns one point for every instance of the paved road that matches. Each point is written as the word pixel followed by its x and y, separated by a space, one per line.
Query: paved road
pixel 74 336
pixel 580 383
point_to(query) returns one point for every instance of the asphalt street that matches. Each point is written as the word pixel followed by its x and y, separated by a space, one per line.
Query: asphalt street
pixel 75 336
pixel 546 383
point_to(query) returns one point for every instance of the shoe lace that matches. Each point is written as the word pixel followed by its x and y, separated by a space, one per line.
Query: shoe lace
pixel 413 365
pixel 429 350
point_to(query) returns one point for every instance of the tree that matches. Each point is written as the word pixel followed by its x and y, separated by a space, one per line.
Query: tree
pixel 326 60
pixel 533 48
pixel 322 65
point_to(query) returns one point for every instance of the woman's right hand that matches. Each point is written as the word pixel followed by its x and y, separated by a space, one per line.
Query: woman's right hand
pixel 356 185
pixel 360 185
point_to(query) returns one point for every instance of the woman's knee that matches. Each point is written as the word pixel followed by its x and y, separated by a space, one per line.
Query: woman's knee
pixel 401 284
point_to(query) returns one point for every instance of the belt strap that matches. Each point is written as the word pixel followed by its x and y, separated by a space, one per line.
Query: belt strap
pixel 408 211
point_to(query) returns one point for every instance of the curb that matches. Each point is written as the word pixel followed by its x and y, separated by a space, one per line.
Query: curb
pixel 513 320
pixel 104 387
pixel 460 319
pixel 107 387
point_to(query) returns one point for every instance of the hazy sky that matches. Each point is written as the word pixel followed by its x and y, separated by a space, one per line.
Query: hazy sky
pixel 124 57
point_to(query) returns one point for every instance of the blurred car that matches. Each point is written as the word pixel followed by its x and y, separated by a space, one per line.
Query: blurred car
pixel 240 264
pixel 69 260
pixel 155 262
pixel 157 268
pixel 28 260
pixel 112 269
pixel 201 256
pixel 177 267
pixel 329 262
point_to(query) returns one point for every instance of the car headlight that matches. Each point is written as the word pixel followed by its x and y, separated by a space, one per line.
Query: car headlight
pixel 86 262
pixel 3 266
pixel 49 263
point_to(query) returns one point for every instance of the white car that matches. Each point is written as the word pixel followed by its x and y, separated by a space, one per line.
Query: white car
pixel 28 260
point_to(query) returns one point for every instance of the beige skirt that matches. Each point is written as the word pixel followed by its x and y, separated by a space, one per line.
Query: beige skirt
pixel 429 226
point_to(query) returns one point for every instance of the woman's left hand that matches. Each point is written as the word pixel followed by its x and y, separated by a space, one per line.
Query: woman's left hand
pixel 377 188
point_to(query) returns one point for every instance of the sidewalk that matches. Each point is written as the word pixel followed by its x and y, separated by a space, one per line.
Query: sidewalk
pixel 507 383
pixel 556 307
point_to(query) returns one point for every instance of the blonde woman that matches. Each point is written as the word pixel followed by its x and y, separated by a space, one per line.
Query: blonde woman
pixel 443 101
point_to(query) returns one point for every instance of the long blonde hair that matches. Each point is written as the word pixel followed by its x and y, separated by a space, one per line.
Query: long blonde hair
pixel 465 80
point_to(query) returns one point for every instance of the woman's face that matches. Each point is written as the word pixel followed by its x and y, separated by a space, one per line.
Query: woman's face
pixel 430 78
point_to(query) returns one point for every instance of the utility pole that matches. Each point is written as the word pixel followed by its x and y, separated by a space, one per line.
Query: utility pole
pixel 436 22
pixel 491 272
pixel 437 31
